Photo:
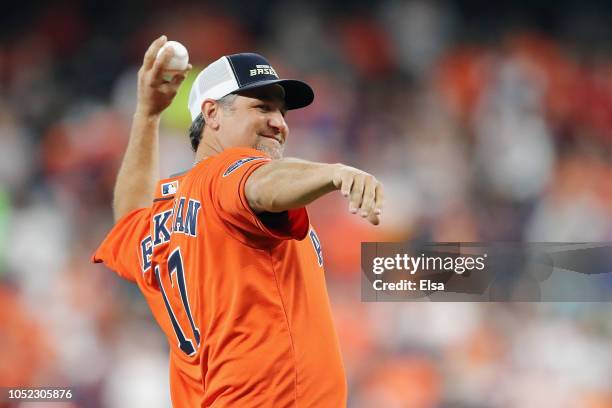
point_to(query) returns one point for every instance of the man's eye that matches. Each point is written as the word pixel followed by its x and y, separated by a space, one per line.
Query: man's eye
pixel 263 108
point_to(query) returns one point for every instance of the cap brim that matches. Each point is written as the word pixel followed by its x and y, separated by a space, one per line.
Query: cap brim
pixel 298 94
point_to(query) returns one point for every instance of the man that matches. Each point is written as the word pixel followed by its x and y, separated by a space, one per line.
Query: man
pixel 224 254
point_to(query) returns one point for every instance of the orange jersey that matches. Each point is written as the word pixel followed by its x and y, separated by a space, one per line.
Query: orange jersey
pixel 241 298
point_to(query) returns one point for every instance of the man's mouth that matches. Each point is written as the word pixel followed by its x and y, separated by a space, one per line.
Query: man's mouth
pixel 278 139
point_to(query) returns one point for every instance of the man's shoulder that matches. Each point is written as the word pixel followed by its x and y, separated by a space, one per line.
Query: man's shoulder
pixel 231 159
pixel 222 165
pixel 237 153
pixel 236 157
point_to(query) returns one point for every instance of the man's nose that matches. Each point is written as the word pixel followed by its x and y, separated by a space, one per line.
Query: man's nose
pixel 277 122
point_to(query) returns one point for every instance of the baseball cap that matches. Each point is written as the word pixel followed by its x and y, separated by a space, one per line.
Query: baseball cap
pixel 238 72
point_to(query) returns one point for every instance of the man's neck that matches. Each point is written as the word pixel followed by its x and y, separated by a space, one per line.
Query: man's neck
pixel 206 149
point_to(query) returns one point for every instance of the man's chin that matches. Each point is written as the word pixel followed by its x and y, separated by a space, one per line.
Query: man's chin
pixel 275 152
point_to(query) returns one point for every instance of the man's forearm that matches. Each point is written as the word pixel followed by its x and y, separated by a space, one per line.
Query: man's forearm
pixel 138 173
pixel 288 183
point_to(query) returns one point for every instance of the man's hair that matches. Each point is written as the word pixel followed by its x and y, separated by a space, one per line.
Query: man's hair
pixel 197 126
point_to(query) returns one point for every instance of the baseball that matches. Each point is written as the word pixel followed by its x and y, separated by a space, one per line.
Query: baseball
pixel 180 56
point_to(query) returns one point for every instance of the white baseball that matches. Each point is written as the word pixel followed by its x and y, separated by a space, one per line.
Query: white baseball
pixel 180 56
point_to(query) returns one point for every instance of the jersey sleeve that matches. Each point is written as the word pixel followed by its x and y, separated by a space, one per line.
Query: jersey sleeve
pixel 234 166
pixel 125 249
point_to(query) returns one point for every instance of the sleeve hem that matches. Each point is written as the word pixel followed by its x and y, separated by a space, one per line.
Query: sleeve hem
pixel 296 229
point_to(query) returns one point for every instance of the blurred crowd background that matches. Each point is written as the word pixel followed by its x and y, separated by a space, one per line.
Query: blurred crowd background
pixel 486 121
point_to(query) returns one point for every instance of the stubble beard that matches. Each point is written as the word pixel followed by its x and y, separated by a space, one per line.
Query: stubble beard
pixel 274 153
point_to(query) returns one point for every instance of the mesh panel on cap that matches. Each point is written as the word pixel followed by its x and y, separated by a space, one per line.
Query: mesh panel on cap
pixel 215 81
pixel 213 75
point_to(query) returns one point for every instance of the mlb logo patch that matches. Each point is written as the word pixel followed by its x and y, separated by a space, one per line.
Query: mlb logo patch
pixel 169 188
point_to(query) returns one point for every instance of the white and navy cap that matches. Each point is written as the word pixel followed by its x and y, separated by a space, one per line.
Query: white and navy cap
pixel 239 72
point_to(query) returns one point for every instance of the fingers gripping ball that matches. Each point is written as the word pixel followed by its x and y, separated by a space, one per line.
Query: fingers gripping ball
pixel 177 62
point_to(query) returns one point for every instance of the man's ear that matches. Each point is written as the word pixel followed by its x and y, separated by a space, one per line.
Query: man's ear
pixel 210 111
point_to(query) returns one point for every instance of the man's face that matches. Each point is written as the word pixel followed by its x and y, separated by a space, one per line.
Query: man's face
pixel 256 119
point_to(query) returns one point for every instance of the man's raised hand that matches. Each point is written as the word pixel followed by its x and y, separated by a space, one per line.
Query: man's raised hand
pixel 154 92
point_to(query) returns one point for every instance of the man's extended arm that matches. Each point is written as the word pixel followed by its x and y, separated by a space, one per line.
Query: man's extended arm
pixel 138 173
pixel 284 184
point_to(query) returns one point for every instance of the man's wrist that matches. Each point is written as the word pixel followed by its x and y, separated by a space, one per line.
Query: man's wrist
pixel 333 169
pixel 147 115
